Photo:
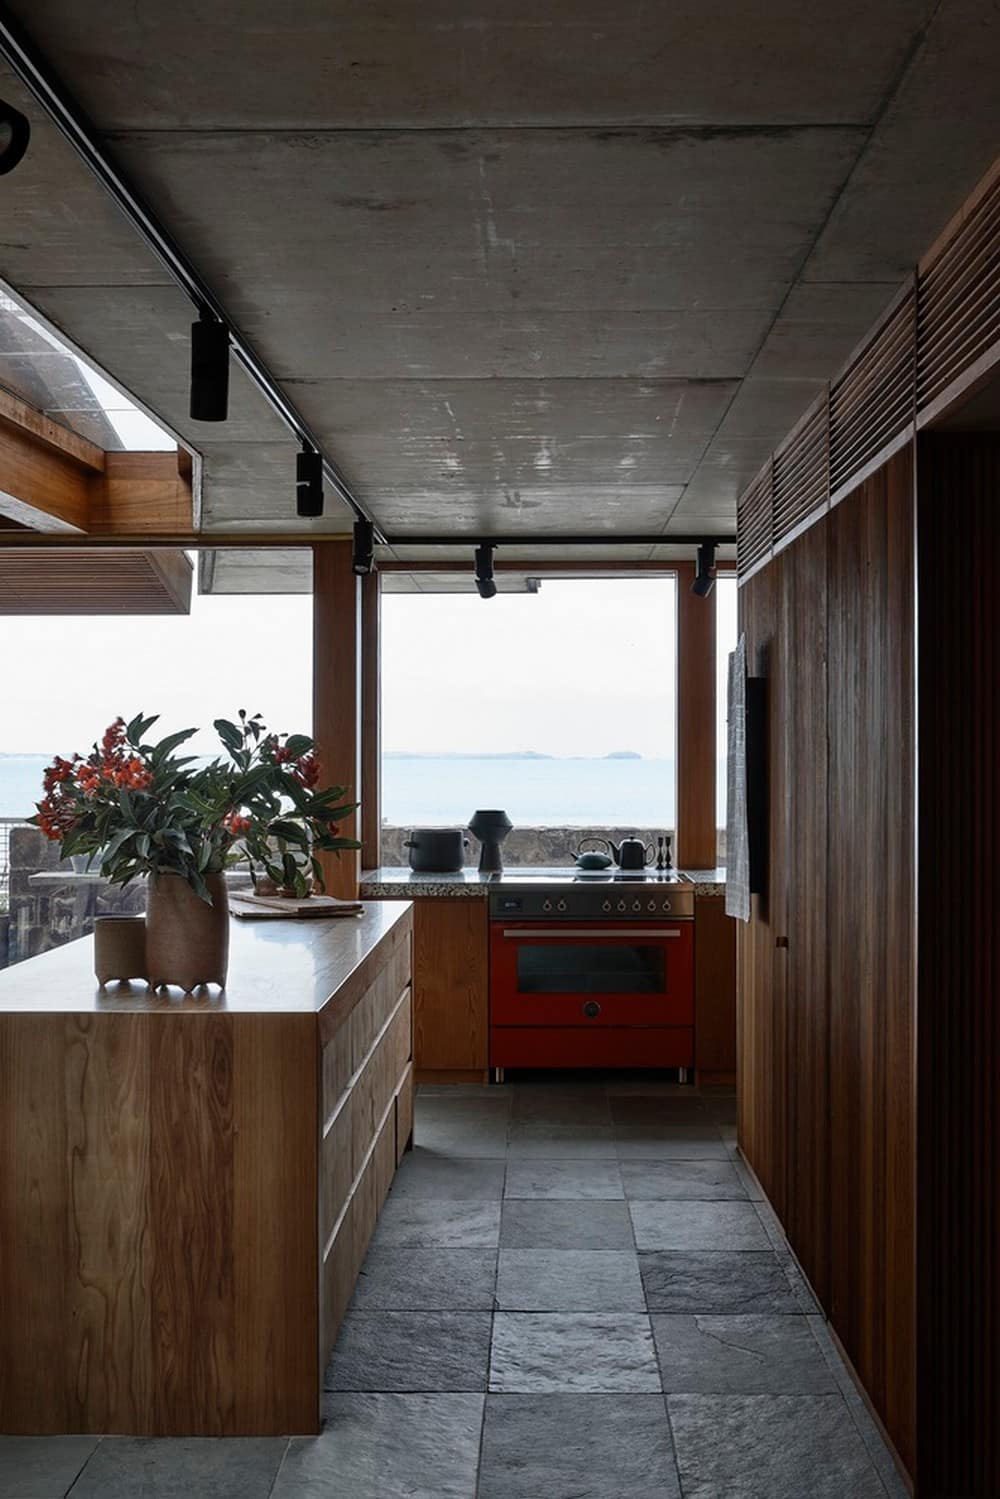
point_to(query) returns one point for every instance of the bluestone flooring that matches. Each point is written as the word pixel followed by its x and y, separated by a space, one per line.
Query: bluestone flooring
pixel 575 1291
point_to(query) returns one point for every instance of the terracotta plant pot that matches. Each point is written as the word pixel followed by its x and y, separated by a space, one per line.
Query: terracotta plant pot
pixel 187 940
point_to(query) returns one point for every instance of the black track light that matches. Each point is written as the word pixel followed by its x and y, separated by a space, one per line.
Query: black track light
pixel 364 547
pixel 484 571
pixel 15 133
pixel 309 483
pixel 704 578
pixel 209 369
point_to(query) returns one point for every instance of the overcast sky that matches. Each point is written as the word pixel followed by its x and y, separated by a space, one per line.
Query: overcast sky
pixel 582 667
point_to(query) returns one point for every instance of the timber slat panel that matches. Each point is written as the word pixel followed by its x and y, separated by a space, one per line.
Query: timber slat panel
pixel 754 522
pixel 801 475
pixel 959 304
pixel 871 403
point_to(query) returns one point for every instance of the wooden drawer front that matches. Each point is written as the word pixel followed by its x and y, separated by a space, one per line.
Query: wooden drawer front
pixel 348 1048
pixel 348 1135
pixel 404 1113
pixel 345 1254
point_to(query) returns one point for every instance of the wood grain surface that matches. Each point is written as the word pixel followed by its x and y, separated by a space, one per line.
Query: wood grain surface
pixel 160 1256
pixel 450 985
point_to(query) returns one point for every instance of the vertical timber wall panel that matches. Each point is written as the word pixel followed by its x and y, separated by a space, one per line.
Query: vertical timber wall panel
pixel 959 966
pixel 870 939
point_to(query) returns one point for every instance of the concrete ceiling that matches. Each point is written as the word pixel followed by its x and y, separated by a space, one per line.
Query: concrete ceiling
pixel 524 269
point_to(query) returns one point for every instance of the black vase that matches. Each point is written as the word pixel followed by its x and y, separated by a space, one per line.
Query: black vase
pixel 491 828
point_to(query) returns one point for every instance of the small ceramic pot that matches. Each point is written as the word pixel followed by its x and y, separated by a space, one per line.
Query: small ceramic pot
pixel 119 948
pixel 187 940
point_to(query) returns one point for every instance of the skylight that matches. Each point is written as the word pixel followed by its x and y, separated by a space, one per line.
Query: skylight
pixel 39 368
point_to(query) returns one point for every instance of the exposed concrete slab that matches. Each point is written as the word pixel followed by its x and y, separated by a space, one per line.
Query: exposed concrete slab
pixel 818 327
pixel 504 61
pixel 494 327
pixel 57 224
pixel 489 222
pixel 938 138
pixel 251 487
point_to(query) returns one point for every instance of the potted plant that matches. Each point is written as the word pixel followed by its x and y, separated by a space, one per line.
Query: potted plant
pixel 140 809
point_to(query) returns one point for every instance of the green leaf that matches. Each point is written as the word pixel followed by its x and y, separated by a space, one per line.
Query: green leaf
pixel 166 746
pixel 298 745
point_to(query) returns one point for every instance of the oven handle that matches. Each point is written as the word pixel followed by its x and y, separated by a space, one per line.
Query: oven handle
pixel 633 935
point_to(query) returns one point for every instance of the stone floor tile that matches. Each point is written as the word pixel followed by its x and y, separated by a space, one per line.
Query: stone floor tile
pixel 684 1180
pixel 697 1225
pixel 435 1351
pixel 387 1447
pixel 751 1186
pixel 556 1142
pixel 877 1450
pixel 636 1108
pixel 620 1448
pixel 717 1281
pixel 569 1180
pixel 740 1355
pixel 549 1352
pixel 430 1220
pixel 461 1137
pixel 426 1279
pixel 560 1104
pixel 426 1173
pixel 41 1467
pixel 670 1142
pixel 770 1447
pixel 180 1467
pixel 527 1224
pixel 569 1280
pixel 469 1098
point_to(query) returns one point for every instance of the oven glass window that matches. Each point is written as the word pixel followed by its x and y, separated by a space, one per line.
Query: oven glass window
pixel 589 968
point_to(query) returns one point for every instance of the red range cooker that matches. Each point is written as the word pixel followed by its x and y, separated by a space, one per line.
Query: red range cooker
pixel 592 973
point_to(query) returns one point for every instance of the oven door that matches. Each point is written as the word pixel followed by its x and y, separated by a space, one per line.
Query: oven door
pixel 615 973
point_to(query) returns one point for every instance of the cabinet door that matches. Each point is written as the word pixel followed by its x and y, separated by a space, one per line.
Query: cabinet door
pixel 714 990
pixel 450 985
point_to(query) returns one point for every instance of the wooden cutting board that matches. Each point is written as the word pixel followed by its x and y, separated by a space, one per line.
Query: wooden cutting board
pixel 277 907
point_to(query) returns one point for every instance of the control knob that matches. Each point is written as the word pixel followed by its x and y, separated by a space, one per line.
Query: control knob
pixel 666 905
pixel 606 905
pixel 561 906
pixel 637 905
pixel 546 905
pixel 622 906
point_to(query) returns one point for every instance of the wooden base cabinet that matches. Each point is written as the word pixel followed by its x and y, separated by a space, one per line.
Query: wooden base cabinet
pixel 188 1185
pixel 450 989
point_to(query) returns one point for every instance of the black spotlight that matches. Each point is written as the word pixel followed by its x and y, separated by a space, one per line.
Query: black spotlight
pixel 704 577
pixel 484 571
pixel 309 482
pixel 364 547
pixel 209 369
pixel 15 133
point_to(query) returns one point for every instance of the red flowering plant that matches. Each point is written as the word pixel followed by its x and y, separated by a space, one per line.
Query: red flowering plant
pixel 139 808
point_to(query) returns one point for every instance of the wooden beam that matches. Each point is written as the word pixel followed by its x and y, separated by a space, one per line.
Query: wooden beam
pixel 371 721
pixel 696 725
pixel 42 485
pixel 142 493
pixel 336 692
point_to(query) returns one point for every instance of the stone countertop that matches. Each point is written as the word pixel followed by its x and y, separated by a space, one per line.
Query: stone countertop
pixel 275 967
pixel 402 883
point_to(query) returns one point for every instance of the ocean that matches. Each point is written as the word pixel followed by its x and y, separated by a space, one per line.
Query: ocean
pixel 423 790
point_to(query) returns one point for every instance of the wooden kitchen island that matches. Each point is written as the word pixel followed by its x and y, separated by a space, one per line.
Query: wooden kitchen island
pixel 188 1183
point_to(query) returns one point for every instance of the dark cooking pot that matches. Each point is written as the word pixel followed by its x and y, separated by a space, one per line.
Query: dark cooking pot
pixel 437 850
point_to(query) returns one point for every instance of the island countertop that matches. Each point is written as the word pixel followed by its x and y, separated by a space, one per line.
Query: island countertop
pixel 401 883
pixel 276 967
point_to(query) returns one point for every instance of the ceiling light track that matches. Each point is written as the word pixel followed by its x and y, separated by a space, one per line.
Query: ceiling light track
pixel 35 73
pixel 591 539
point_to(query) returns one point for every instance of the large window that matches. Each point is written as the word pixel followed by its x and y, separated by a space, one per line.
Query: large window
pixel 725 642
pixel 66 678
pixel 557 705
